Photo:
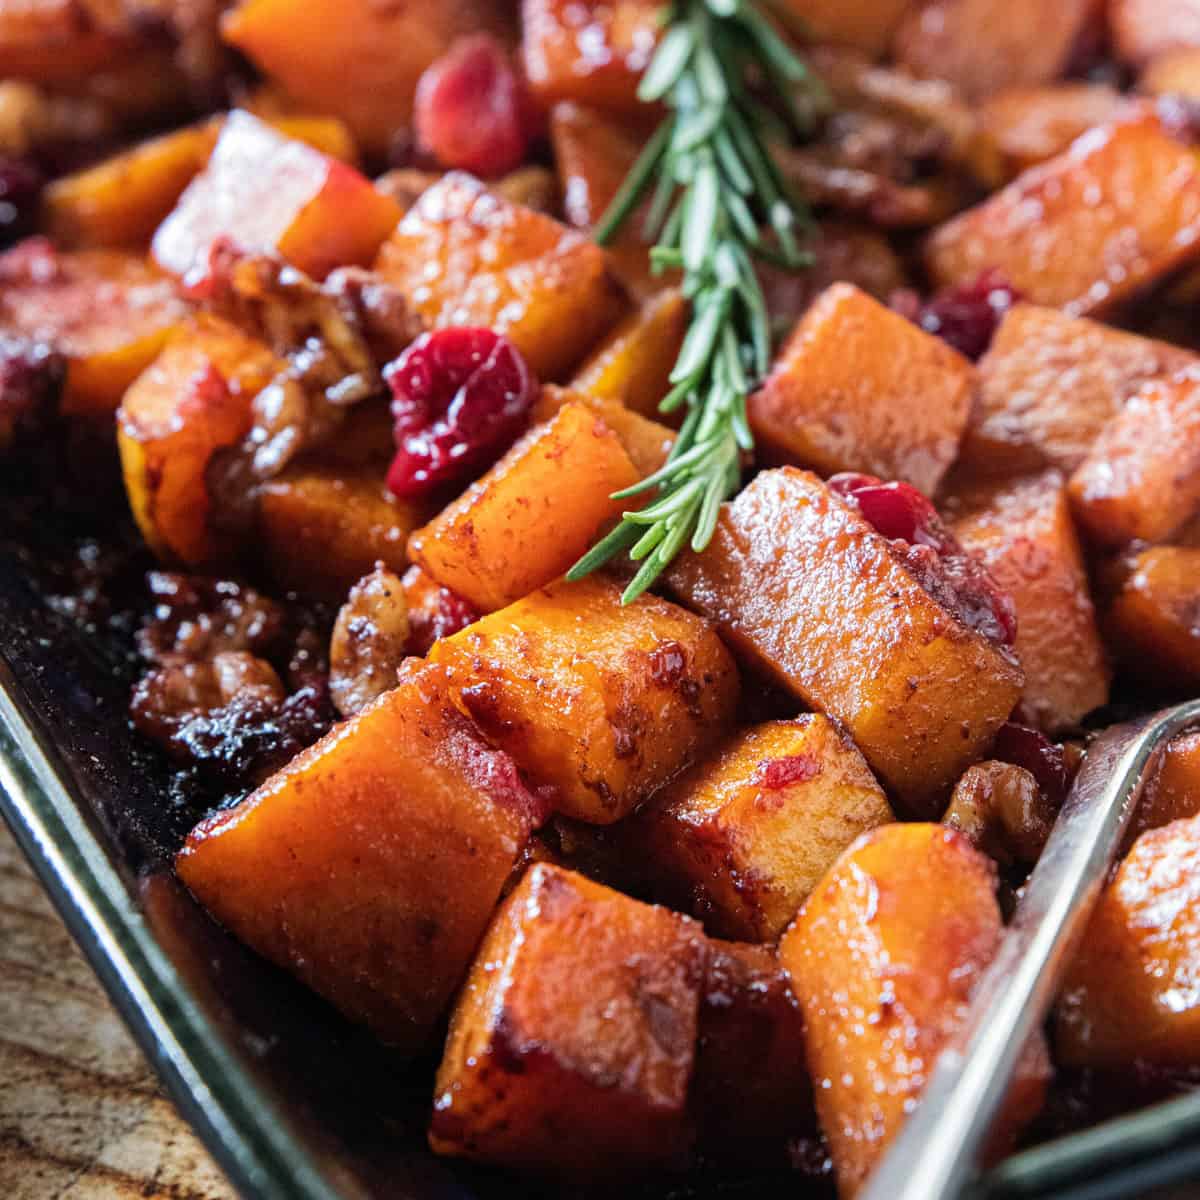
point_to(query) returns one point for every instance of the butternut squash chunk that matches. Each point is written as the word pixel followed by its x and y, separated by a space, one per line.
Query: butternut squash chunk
pixel 809 593
pixel 1116 213
pixel 267 192
pixel 358 60
pixel 192 401
pixel 1172 793
pixel 1048 386
pixel 588 50
pixel 370 865
pixel 1141 478
pixel 598 702
pixel 858 387
pixel 1153 622
pixel 464 256
pixel 865 25
pixel 1174 72
pixel 1024 534
pixel 883 958
pixel 981 46
pixel 747 833
pixel 60 41
pixel 1133 989
pixel 572 1045
pixel 107 313
pixel 321 528
pixel 1143 29
pixel 532 515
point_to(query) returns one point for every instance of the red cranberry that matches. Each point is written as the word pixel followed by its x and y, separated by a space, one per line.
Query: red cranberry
pixel 1025 747
pixel 897 510
pixel 966 316
pixel 460 397
pixel 471 111
pixel 776 773
pixel 20 194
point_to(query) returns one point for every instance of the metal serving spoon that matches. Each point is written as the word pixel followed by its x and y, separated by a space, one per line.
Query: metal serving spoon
pixel 935 1156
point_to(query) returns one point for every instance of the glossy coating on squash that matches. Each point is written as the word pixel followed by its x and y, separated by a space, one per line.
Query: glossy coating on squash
pixel 808 592
pixel 1172 793
pixel 464 256
pixel 866 25
pixel 743 836
pixel 599 703
pixel 572 1044
pixel 513 531
pixel 858 387
pixel 883 958
pixel 370 865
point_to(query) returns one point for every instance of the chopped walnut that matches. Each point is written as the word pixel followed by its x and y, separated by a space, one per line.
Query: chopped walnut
pixel 1003 812
pixel 369 642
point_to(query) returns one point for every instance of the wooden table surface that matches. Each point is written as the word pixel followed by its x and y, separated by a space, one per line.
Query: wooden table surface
pixel 81 1115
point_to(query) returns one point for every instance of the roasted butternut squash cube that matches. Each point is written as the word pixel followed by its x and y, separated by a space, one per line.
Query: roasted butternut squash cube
pixel 1048 386
pixel 572 1045
pixel 370 865
pixel 1133 989
pixel 510 532
pixel 882 959
pixel 1152 621
pixel 106 312
pixel 1144 29
pixel 848 630
pixel 1172 793
pixel 646 442
pixel 594 152
pixel 858 387
pixel 463 256
pixel 588 50
pixel 1028 125
pixel 633 364
pixel 1141 478
pixel 865 25
pixel 981 46
pixel 1175 72
pixel 321 528
pixel 1024 534
pixel 267 192
pixel 60 41
pixel 599 702
pixel 1116 213
pixel 748 832
pixel 355 59
pixel 192 401
pixel 751 1087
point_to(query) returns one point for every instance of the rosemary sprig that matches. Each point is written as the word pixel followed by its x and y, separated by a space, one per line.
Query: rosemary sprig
pixel 714 187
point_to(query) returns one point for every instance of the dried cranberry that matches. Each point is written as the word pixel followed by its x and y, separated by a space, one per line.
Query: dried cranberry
pixel 434 612
pixel 20 194
pixel 471 111
pixel 966 316
pixel 1046 762
pixel 776 773
pixel 954 577
pixel 460 397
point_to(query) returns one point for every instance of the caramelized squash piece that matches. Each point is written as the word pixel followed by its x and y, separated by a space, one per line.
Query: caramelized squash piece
pixel 1153 623
pixel 1172 793
pixel 633 364
pixel 1175 72
pixel 646 442
pixel 266 192
pixel 511 531
pixel 1141 479
pixel 1031 124
pixel 593 51
pixel 106 312
pixel 982 46
pixel 321 528
pixel 192 401
pixel 600 703
pixel 751 1088
pixel 883 958
pixel 747 833
pixel 572 1045
pixel 358 60
pixel 858 387
pixel 61 41
pixel 865 25
pixel 1048 386
pixel 808 592
pixel 370 865
pixel 1143 29
pixel 1084 231
pixel 1024 534
pixel 463 256
pixel 1133 989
